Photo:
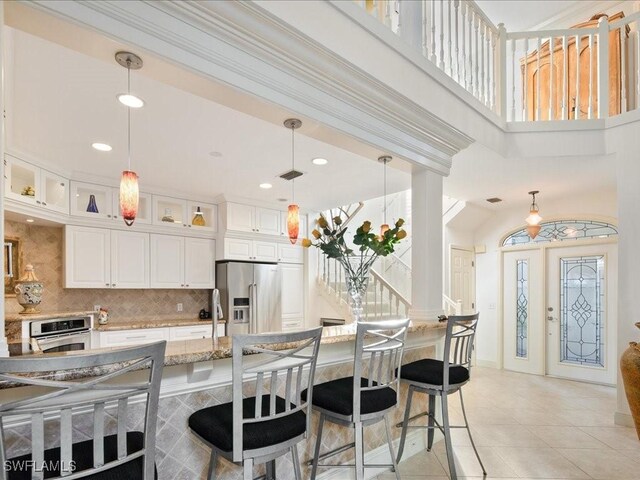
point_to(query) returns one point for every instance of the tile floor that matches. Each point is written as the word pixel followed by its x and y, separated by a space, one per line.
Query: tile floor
pixel 527 426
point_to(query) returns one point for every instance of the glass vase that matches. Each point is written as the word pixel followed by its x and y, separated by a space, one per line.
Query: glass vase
pixel 356 272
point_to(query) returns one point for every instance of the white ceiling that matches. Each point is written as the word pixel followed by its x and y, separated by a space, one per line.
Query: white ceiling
pixel 61 101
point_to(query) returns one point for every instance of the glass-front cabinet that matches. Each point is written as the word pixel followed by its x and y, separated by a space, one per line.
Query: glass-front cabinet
pixel 202 216
pixel 33 185
pixel 89 200
pixel 170 212
pixel 144 208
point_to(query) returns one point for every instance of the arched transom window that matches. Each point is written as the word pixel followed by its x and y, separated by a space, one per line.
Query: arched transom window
pixel 561 230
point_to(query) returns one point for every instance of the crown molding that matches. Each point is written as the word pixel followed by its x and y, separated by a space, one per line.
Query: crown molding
pixel 242 45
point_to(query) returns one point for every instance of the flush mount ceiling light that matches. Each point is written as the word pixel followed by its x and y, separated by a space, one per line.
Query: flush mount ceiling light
pixel 130 61
pixel 102 147
pixel 129 192
pixel 385 226
pixel 319 161
pixel 30 220
pixel 534 218
pixel 293 212
pixel 266 186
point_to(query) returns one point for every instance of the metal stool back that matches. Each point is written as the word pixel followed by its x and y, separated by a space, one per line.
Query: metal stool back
pixel 458 349
pixel 48 399
pixel 378 357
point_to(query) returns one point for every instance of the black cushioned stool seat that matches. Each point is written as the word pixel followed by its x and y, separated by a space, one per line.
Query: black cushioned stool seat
pixel 215 425
pixel 431 372
pixel 82 455
pixel 337 396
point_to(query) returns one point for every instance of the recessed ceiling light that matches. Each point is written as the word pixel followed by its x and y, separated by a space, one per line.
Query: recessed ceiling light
pixel 266 186
pixel 319 161
pixel 103 147
pixel 130 100
pixel 30 220
pixel 215 154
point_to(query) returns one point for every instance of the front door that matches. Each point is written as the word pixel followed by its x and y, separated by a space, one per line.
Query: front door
pixel 581 312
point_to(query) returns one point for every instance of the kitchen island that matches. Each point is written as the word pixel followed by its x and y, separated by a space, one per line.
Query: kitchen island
pixel 197 374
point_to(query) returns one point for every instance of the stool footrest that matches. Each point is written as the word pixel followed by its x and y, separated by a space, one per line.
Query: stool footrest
pixel 335 451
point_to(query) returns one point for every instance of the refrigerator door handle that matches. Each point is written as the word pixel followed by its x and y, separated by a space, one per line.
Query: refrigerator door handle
pixel 255 299
pixel 251 308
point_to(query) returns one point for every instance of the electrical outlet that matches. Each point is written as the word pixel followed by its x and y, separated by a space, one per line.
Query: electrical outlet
pixel 179 307
pixel 96 308
pixel 492 306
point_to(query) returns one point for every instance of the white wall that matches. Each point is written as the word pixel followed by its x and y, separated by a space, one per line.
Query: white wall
pixel 602 203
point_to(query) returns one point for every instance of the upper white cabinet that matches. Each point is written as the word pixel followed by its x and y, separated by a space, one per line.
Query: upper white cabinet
pixel 245 249
pixel 101 258
pixel 179 262
pixel 175 212
pixel 32 185
pixel 102 202
pixel 202 216
pixel 288 253
pixel 283 225
pixel 246 218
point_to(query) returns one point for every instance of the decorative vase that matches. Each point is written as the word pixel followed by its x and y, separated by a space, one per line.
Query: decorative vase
pixel 92 207
pixel 29 291
pixel 198 219
pixel 356 274
pixel 630 369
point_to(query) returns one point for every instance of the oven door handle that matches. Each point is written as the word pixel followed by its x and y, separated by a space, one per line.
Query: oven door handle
pixel 51 338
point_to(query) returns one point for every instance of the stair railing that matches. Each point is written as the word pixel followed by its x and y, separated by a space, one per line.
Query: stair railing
pixel 450 306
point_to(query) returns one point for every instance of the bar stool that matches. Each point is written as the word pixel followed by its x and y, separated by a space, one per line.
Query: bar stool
pixel 124 455
pixel 365 398
pixel 442 378
pixel 264 426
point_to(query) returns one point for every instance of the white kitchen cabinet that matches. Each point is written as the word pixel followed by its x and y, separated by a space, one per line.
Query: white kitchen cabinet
pixel 82 194
pixel 129 259
pixel 302 233
pixel 267 221
pixel 288 253
pixel 167 261
pixel 143 217
pixel 87 257
pixel 48 190
pixel 170 212
pixel 102 258
pixel 193 332
pixel 290 325
pixel 199 263
pixel 179 262
pixel 245 249
pixel 209 213
pixel 292 295
pixel 138 336
pixel 240 217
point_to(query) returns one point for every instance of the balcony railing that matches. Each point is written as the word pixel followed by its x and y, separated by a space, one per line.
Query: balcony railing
pixel 587 72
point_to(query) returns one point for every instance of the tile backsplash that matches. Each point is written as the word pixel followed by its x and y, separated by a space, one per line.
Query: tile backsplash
pixel 43 248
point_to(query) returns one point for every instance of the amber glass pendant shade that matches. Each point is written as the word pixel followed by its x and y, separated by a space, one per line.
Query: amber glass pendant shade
pixel 293 223
pixel 533 231
pixel 384 228
pixel 129 196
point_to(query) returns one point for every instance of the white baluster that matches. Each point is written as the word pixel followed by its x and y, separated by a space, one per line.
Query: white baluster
pixel 602 94
pixel 449 43
pixel 494 71
pixel 476 24
pixel 525 107
pixel 483 93
pixel 623 70
pixel 441 59
pixel 637 64
pixel 456 5
pixel 565 78
pixel 463 62
pixel 387 13
pixel 513 80
pixel 432 52
pixel 390 303
pixel 425 29
pixel 576 114
pixel 537 105
pixel 590 109
pixel 375 296
pixel 381 298
pixel 470 25
pixel 551 103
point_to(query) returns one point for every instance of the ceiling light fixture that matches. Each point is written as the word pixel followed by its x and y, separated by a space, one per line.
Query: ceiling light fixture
pixel 266 186
pixel 102 147
pixel 319 161
pixel 293 212
pixel 385 226
pixel 534 218
pixel 129 193
pixel 130 101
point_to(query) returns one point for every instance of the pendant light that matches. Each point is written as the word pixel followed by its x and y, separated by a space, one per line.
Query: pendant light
pixel 293 212
pixel 385 226
pixel 129 194
pixel 534 218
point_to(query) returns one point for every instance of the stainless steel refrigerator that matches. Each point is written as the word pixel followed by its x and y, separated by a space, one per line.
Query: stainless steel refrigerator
pixel 250 294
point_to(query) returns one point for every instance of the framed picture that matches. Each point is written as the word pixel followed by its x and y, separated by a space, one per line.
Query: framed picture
pixel 11 265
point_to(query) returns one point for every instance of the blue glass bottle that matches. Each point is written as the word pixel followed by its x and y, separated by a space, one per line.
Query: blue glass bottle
pixel 92 207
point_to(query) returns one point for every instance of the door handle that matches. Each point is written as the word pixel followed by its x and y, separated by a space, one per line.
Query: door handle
pixel 250 307
pixel 255 310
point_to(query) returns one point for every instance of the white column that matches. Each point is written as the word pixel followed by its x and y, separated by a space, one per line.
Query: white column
pixel 426 250
pixel 411 23
pixel 4 349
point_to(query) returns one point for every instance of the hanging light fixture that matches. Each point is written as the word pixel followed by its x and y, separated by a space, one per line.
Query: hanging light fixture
pixel 293 212
pixel 129 194
pixel 534 218
pixel 385 226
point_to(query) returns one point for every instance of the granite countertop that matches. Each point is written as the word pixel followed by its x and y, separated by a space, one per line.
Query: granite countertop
pixel 17 317
pixel 136 323
pixel 203 350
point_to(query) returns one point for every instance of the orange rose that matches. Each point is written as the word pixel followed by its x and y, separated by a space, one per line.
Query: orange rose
pixel 401 234
pixel 322 222
pixel 316 234
pixel 306 243
pixel 366 226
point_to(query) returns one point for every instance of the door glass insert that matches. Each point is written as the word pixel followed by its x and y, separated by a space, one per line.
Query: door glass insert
pixel 582 310
pixel 522 307
pixel 563 230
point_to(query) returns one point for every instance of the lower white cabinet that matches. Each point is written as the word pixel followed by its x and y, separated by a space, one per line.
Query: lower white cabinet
pixel 292 324
pixel 292 296
pixel 195 331
pixel 139 336
pixel 100 258
pixel 182 262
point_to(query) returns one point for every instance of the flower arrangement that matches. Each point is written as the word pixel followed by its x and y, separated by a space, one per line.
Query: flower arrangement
pixel 356 259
